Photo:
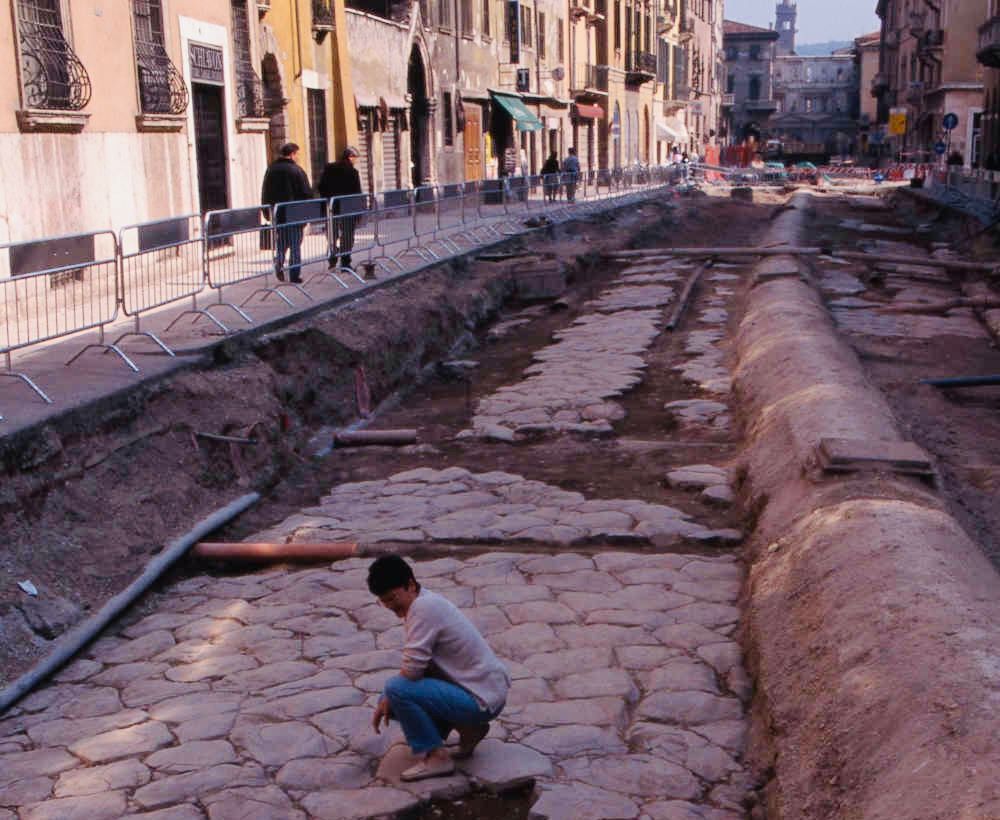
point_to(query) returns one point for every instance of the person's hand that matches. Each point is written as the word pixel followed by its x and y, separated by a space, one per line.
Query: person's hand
pixel 381 716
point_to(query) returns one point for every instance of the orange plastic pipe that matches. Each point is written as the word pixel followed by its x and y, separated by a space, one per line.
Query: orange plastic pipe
pixel 271 552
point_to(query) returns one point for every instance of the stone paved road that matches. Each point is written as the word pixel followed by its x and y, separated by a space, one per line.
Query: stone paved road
pixel 455 505
pixel 251 696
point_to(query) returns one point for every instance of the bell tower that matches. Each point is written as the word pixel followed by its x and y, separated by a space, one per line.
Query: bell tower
pixel 784 23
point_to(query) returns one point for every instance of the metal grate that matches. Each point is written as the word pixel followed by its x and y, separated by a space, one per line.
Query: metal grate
pixel 249 90
pixel 161 87
pixel 322 14
pixel 51 74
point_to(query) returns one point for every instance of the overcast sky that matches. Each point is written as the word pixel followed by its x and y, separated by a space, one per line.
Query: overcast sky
pixel 818 20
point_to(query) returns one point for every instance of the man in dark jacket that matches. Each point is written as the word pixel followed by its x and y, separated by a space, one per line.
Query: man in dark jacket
pixel 285 181
pixel 341 178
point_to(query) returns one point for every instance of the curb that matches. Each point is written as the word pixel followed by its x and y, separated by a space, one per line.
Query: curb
pixel 870 615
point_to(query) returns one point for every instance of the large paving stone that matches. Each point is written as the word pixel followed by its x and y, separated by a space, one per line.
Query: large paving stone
pixel 64 731
pixel 689 708
pixel 598 683
pixel 644 657
pixel 553 665
pixel 522 641
pixel 125 774
pixel 606 711
pixel 21 765
pixel 28 790
pixel 568 741
pixel 106 806
pixel 356 804
pixel 689 636
pixel 499 766
pixel 683 810
pixel 681 674
pixel 687 748
pixel 550 612
pixel 607 635
pixel 276 743
pixel 140 649
pixel 306 703
pixel 504 595
pixel 217 667
pixel 310 774
pixel 578 801
pixel 250 803
pixel 636 775
pixel 148 692
pixel 184 811
pixel 180 788
pixel 133 740
pixel 188 757
pixel 194 707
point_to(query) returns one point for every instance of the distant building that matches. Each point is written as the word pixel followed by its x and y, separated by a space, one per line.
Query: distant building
pixel 866 51
pixel 927 69
pixel 817 97
pixel 748 100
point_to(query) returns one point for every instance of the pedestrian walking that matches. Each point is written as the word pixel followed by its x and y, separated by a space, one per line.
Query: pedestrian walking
pixel 341 178
pixel 449 679
pixel 571 174
pixel 285 181
pixel 550 182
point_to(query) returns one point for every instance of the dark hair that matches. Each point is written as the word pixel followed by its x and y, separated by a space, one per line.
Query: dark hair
pixel 389 572
pixel 572 150
pixel 288 149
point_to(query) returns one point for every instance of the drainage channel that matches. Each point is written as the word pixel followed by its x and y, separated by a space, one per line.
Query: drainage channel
pixel 590 534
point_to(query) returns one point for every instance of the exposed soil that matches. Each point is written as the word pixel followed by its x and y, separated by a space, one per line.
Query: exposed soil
pixel 960 428
pixel 87 500
pixel 513 805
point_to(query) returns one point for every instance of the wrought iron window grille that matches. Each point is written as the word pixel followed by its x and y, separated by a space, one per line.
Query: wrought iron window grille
pixel 322 15
pixel 52 76
pixel 161 87
pixel 249 89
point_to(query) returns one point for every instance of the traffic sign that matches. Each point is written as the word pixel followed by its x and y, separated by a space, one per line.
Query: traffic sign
pixel 940 148
pixel 950 121
pixel 897 121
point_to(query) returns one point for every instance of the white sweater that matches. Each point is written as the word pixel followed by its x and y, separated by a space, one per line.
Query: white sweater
pixel 439 635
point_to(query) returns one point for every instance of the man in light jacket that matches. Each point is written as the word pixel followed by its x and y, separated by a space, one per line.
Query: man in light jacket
pixel 571 173
pixel 450 678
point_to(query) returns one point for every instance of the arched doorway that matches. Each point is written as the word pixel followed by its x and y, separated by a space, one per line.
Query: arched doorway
pixel 274 104
pixel 416 86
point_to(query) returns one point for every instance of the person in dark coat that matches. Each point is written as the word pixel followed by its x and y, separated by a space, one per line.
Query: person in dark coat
pixel 285 181
pixel 341 178
pixel 550 183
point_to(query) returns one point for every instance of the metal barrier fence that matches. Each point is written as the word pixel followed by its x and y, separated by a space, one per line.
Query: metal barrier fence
pixel 60 286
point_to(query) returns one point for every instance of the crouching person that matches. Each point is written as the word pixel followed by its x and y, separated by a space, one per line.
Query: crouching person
pixel 450 678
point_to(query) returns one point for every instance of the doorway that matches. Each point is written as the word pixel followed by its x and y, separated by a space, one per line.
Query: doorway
pixel 472 139
pixel 416 85
pixel 210 146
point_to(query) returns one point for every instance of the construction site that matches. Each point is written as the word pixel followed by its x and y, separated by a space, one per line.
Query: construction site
pixel 713 467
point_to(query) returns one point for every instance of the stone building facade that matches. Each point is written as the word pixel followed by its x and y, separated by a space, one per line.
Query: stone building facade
pixel 866 50
pixel 928 70
pixel 749 99
pixel 166 122
pixel 306 90
pixel 817 97
pixel 706 73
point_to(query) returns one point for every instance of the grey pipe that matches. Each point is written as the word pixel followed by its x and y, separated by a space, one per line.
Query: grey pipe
pixel 963 381
pixel 81 635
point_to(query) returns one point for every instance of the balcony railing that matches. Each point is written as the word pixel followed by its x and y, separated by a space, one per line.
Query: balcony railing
pixel 640 67
pixel 592 79
pixel 879 83
pixel 988 52
pixel 686 26
pixel 728 100
pixel 761 105
pixel 52 75
pixel 322 16
pixel 931 40
pixel 161 87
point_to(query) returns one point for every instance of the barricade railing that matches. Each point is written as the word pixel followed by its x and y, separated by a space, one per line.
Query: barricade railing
pixel 352 232
pixel 58 287
pixel 66 285
pixel 240 249
pixel 451 214
pixel 162 262
pixel 394 210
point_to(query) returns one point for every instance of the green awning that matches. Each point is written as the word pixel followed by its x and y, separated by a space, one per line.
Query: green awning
pixel 526 121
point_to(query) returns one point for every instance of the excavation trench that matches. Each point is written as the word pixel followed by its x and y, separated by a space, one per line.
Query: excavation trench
pixel 433 350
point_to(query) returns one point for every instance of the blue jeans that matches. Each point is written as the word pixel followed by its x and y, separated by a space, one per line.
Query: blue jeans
pixel 429 708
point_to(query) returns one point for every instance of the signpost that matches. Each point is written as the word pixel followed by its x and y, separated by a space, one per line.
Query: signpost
pixel 949 122
pixel 897 122
pixel 940 148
